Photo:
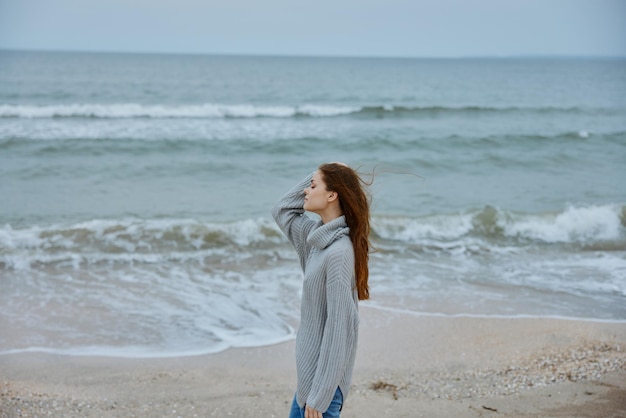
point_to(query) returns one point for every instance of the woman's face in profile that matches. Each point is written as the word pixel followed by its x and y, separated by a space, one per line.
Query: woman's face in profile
pixel 316 195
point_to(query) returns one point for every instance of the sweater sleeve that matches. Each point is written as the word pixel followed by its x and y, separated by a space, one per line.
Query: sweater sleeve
pixel 339 338
pixel 289 215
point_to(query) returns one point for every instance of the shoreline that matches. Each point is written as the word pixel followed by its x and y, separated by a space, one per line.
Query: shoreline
pixel 139 355
pixel 144 354
pixel 406 366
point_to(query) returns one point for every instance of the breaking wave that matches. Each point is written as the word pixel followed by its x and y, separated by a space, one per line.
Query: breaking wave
pixel 152 241
pixel 589 225
pixel 213 111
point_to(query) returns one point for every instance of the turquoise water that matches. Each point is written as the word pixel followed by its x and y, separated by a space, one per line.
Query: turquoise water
pixel 136 189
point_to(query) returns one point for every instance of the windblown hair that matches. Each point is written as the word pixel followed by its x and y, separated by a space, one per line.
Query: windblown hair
pixel 355 205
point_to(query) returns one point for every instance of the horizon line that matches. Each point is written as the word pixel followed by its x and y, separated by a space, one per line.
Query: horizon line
pixel 292 55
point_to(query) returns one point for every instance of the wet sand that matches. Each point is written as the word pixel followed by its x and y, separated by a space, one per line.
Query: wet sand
pixel 407 366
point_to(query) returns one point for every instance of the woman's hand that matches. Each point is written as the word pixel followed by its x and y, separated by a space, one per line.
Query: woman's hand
pixel 312 413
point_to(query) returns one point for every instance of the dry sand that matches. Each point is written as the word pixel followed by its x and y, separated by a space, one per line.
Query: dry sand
pixel 407 366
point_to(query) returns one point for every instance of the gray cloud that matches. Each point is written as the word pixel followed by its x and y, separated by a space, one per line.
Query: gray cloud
pixel 324 27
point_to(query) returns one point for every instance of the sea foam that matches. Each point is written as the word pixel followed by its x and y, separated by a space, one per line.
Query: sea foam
pixel 135 110
pixel 246 110
pixel 132 240
pixel 585 224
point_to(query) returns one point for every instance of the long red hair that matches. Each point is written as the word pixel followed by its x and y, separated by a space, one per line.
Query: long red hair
pixel 355 205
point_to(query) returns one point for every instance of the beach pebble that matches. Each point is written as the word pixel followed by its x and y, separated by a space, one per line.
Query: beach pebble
pixel 587 361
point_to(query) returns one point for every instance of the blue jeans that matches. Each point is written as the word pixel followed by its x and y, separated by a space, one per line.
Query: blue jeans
pixel 333 410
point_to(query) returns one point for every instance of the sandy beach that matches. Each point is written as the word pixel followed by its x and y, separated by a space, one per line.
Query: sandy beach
pixel 407 366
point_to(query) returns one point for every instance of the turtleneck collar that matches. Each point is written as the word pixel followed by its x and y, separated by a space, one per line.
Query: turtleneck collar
pixel 326 234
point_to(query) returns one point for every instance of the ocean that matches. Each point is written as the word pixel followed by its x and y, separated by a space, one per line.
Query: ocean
pixel 136 189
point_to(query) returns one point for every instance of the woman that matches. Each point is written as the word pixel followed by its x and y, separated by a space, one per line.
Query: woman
pixel 333 254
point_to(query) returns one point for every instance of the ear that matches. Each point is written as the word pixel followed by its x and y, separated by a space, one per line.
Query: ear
pixel 332 197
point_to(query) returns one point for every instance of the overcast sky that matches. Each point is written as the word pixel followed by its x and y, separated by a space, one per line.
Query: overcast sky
pixel 415 28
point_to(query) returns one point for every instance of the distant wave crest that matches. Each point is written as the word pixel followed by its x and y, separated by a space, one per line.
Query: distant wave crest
pixel 201 111
pixel 213 111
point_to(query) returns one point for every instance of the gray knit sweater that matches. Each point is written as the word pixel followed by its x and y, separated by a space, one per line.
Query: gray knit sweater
pixel 327 337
